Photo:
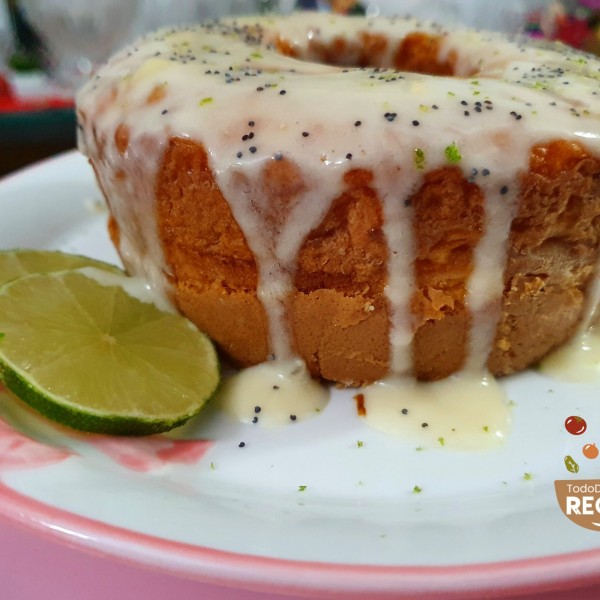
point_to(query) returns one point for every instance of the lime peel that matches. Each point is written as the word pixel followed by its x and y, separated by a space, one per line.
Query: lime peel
pixel 89 421
pixel 133 369
pixel 17 263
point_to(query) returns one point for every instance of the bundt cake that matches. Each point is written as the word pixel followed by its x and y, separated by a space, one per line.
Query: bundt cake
pixel 371 195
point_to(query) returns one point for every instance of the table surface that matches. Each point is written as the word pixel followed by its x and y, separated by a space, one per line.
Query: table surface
pixel 34 567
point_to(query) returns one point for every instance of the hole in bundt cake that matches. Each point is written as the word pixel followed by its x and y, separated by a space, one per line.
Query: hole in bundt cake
pixel 418 52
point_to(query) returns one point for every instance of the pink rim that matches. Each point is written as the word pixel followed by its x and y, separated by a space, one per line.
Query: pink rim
pixel 266 574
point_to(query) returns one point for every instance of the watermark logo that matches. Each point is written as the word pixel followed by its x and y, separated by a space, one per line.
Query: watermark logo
pixel 579 499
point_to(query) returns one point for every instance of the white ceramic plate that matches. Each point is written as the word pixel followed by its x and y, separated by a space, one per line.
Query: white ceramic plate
pixel 217 512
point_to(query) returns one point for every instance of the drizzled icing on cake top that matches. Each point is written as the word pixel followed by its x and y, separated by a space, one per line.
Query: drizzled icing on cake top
pixel 223 85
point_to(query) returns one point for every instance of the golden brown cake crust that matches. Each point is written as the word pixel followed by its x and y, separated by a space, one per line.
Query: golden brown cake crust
pixel 186 216
pixel 338 314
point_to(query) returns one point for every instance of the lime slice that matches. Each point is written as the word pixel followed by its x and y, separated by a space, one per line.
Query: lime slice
pixel 86 349
pixel 16 263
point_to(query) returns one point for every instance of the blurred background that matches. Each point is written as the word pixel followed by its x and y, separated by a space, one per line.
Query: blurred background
pixel 48 48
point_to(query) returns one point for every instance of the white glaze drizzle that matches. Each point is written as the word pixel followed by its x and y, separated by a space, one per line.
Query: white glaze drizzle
pixel 552 92
pixel 400 286
pixel 276 252
pixel 592 304
pixel 273 393
pixel 462 412
pixel 578 360
pixel 486 284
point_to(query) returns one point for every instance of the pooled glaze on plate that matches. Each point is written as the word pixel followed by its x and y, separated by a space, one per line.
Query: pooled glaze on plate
pixel 461 412
pixel 273 393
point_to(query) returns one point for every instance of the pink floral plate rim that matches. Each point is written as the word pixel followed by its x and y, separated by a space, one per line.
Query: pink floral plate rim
pixel 308 579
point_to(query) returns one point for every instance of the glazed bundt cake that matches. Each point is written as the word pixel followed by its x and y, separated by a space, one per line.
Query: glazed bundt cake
pixel 374 196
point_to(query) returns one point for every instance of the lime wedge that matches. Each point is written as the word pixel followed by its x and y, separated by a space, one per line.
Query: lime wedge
pixel 86 349
pixel 16 263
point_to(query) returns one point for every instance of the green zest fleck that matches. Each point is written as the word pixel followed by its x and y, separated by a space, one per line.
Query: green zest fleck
pixel 212 466
pixel 571 465
pixel 486 428
pixel 419 448
pixel 451 94
pixel 527 476
pixel 452 153
pixel 419 158
pixel 205 101
pixel 301 488
pixel 423 108
pixel 256 55
pixel 442 441
pixel 359 444
pixel 475 82
pixel 417 489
